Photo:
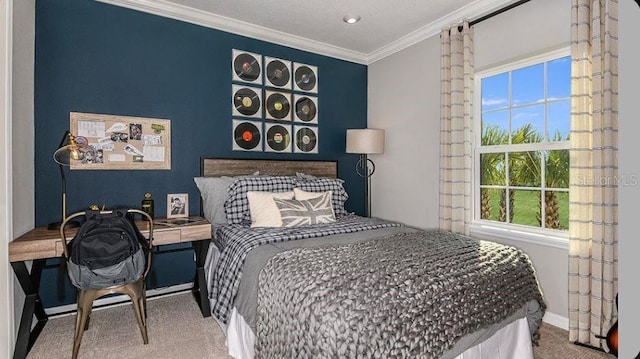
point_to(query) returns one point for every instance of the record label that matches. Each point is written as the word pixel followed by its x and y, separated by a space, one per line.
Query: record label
pixel 305 109
pixel 278 73
pixel 247 67
pixel 246 101
pixel 305 78
pixel 306 139
pixel 278 138
pixel 247 135
pixel 278 106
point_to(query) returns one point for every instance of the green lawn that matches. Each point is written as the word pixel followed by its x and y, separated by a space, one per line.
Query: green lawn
pixel 527 206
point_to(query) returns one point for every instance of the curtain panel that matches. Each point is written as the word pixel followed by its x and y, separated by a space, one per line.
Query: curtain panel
pixel 593 203
pixel 456 121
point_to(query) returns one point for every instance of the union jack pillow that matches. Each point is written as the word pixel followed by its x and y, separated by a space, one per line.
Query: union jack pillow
pixel 296 213
pixel 324 184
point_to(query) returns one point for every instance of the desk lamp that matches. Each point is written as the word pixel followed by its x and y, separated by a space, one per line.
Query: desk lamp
pixel 63 156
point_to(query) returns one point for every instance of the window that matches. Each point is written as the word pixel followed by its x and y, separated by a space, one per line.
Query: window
pixel 522 127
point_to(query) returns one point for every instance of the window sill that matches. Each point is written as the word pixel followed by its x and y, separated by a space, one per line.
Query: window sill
pixel 549 238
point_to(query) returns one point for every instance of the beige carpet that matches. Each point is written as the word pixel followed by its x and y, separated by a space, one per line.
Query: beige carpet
pixel 178 330
pixel 175 325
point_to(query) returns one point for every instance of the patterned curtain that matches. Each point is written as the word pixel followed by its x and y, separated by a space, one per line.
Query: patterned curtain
pixel 456 94
pixel 593 208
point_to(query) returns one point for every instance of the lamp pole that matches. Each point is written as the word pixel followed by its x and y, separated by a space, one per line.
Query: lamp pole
pixel 365 168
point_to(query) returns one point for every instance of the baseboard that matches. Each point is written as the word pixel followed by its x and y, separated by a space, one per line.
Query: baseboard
pixel 556 320
pixel 119 299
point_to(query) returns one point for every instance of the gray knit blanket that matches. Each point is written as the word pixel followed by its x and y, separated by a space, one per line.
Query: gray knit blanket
pixel 409 295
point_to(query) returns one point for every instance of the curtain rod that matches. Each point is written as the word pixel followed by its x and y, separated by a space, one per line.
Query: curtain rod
pixel 497 12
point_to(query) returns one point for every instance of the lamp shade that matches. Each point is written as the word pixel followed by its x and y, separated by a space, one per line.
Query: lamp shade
pixel 365 141
pixel 65 154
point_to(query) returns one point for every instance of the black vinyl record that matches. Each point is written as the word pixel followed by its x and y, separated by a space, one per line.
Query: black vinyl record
pixel 246 101
pixel 305 109
pixel 278 73
pixel 305 78
pixel 247 135
pixel 306 139
pixel 278 138
pixel 278 105
pixel 246 67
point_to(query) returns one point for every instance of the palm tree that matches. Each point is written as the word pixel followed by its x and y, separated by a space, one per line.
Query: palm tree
pixel 524 170
pixel 524 167
pixel 491 167
pixel 556 176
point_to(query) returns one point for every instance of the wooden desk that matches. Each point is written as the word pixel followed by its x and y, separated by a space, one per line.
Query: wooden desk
pixel 40 243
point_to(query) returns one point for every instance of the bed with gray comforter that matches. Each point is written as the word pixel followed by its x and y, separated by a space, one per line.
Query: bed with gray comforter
pixel 385 292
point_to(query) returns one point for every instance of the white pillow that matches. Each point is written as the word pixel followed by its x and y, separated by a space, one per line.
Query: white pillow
pixel 301 195
pixel 264 212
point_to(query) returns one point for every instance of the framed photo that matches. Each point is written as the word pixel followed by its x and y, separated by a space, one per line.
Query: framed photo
pixel 177 205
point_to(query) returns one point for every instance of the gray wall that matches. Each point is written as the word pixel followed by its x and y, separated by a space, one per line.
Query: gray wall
pixel 23 172
pixel 404 100
pixel 629 169
pixel 6 299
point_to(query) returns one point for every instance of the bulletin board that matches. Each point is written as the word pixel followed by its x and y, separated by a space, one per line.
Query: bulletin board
pixel 113 142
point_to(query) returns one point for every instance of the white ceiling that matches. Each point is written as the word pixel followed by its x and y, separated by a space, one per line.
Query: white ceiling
pixel 387 26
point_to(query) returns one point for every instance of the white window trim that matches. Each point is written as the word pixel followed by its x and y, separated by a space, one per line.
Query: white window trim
pixel 507 231
pixel 513 232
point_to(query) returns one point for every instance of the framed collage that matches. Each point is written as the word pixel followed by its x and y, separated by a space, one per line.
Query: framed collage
pixel 113 142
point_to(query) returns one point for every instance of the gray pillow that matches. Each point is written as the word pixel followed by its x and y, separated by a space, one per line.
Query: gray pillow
pixel 213 191
pixel 303 213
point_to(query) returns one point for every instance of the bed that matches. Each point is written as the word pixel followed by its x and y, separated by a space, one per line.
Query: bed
pixel 291 274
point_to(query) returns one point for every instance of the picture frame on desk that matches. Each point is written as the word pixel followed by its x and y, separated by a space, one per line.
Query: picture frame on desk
pixel 177 205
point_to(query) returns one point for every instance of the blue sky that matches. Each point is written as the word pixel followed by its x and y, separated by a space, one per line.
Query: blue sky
pixel 528 98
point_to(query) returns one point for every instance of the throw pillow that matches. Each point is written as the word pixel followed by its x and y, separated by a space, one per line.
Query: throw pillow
pixel 307 212
pixel 264 212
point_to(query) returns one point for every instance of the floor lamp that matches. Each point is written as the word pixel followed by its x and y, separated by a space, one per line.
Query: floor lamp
pixel 63 156
pixel 365 142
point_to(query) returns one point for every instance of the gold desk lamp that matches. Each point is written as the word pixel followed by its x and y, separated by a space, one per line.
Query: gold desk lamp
pixel 63 157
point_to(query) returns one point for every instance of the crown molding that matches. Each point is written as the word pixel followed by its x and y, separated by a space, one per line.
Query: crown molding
pixel 475 9
pixel 198 17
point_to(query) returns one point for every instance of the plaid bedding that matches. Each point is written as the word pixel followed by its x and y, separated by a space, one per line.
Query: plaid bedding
pixel 235 241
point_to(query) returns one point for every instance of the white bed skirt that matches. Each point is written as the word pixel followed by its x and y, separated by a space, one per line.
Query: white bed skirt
pixel 510 342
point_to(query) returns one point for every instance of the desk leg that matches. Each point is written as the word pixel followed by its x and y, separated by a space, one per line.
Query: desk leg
pixel 200 291
pixel 32 305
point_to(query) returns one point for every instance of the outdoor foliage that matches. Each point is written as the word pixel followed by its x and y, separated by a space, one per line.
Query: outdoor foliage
pixel 513 198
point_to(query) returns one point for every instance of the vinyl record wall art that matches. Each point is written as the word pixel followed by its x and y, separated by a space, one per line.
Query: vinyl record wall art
pixel 305 108
pixel 306 139
pixel 247 101
pixel 274 104
pixel 247 135
pixel 247 67
pixel 277 105
pixel 277 73
pixel 278 138
pixel 305 78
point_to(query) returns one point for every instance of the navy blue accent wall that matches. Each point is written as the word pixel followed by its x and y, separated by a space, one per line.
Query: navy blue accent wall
pixel 99 58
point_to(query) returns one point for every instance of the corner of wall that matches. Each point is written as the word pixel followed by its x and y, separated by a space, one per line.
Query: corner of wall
pixel 7 333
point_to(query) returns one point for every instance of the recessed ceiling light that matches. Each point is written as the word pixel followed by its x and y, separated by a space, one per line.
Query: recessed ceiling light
pixel 350 19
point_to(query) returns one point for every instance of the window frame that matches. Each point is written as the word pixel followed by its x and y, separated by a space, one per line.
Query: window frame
pixel 510 231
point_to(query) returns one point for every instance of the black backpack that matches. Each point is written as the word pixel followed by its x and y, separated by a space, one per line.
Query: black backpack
pixel 107 250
